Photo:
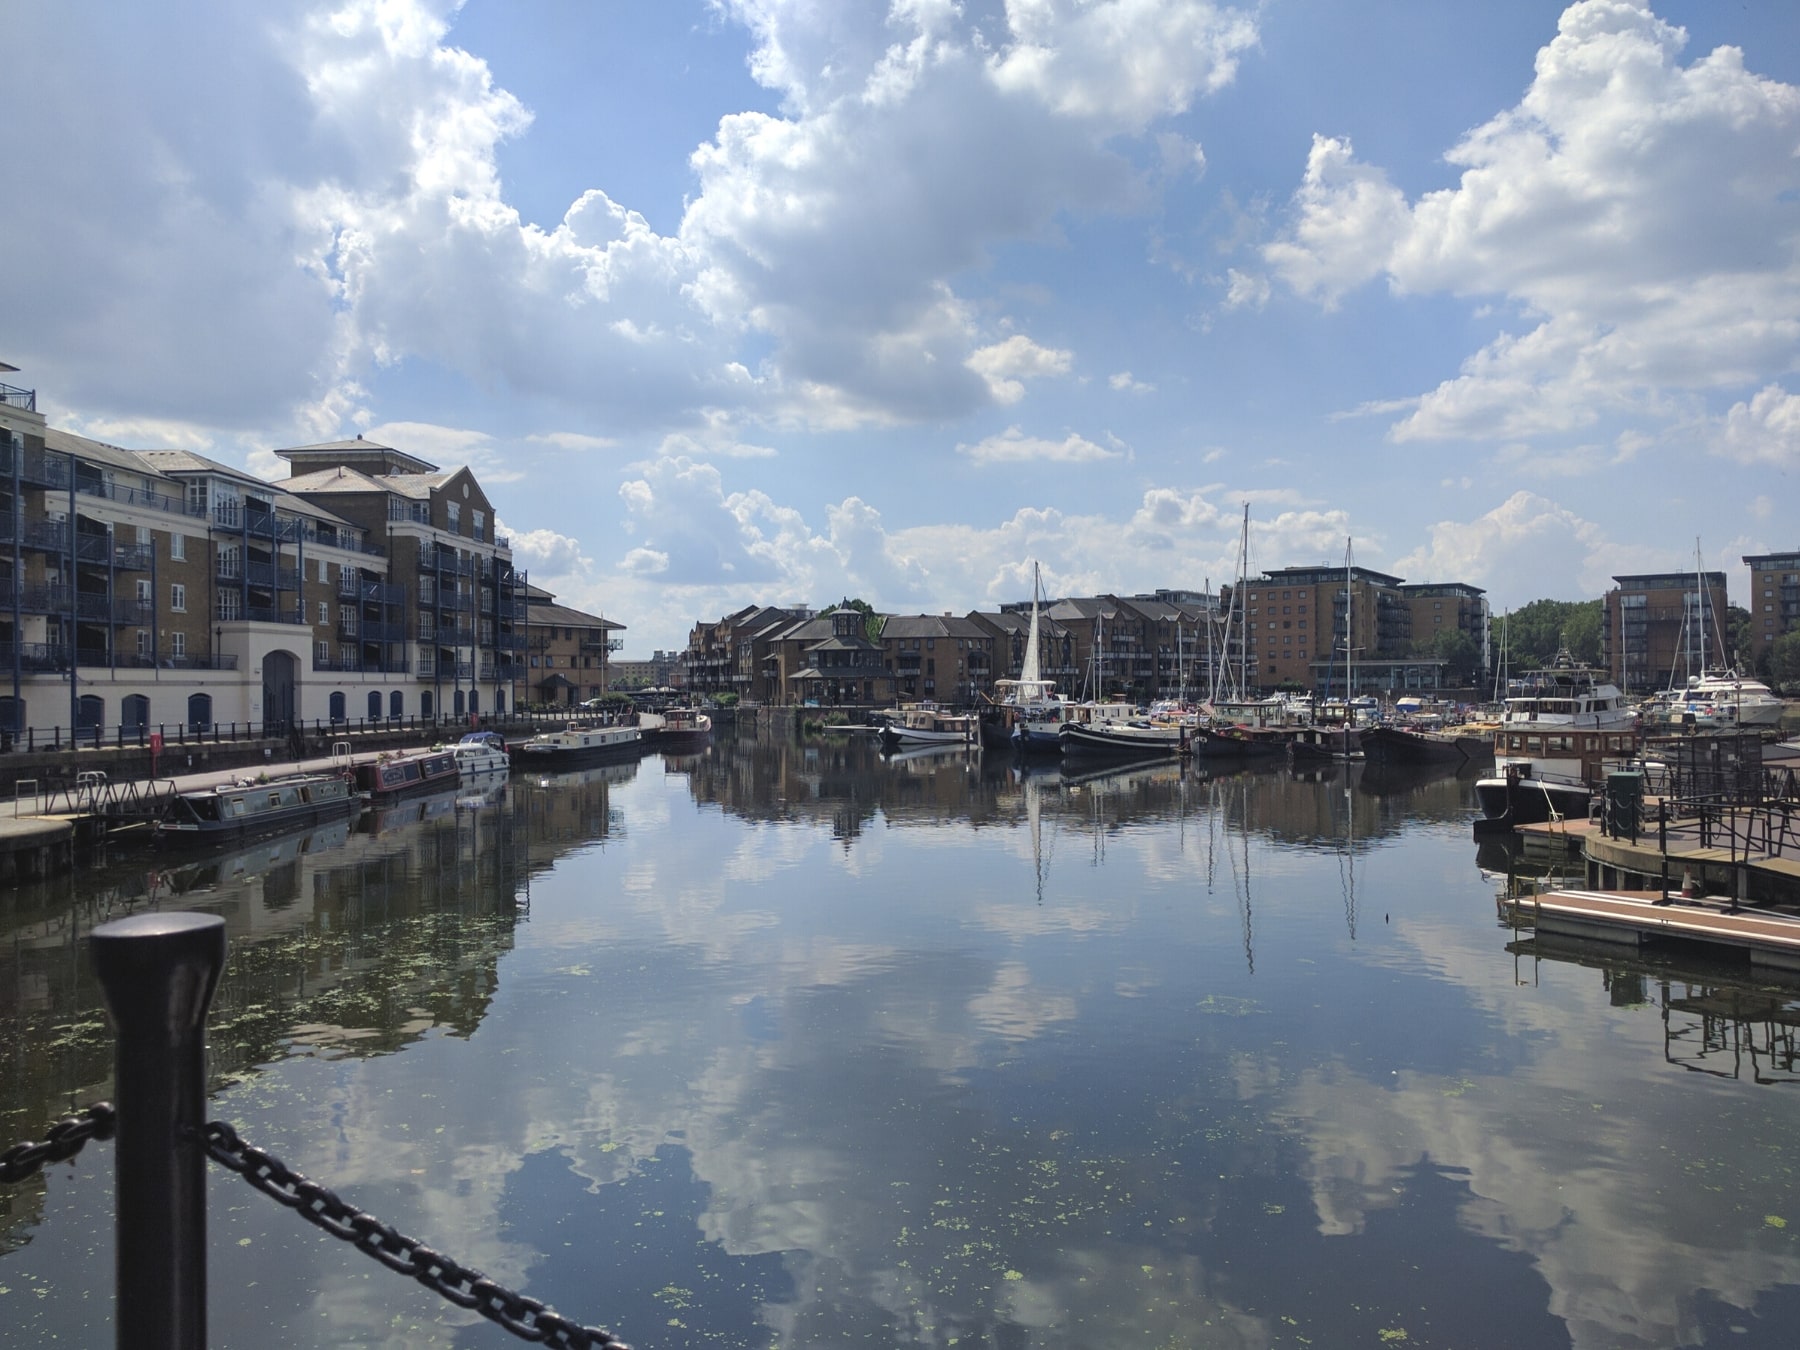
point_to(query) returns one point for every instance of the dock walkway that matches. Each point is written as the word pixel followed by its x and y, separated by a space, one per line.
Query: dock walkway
pixel 1633 918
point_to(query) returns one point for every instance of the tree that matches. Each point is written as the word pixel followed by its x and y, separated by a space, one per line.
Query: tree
pixel 1457 650
pixel 1784 661
pixel 1536 632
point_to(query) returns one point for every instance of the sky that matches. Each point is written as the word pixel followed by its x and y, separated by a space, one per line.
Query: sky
pixel 781 301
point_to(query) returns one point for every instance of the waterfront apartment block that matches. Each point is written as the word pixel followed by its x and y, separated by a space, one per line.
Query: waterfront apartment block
pixel 160 588
pixel 938 657
pixel 1774 602
pixel 827 660
pixel 1658 628
pixel 570 652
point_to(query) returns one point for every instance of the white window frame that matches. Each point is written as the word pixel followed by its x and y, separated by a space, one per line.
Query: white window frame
pixel 324 610
pixel 177 547
pixel 177 598
pixel 178 644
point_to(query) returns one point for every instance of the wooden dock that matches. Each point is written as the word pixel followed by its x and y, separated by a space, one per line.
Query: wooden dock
pixel 1633 918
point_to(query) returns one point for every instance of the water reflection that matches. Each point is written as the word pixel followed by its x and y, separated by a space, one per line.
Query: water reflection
pixel 785 1044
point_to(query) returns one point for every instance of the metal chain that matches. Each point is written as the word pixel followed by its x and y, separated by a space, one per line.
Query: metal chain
pixel 62 1140
pixel 526 1318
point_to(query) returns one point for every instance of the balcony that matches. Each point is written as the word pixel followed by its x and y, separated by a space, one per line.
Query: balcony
pixel 14 397
pixel 399 509
pixel 138 496
pixel 186 662
pixel 270 614
pixel 112 609
pixel 35 657
pixel 100 550
pixel 49 535
pixel 426 668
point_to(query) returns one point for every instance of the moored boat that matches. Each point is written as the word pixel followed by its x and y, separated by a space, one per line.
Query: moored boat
pixel 926 724
pixel 1557 738
pixel 1320 743
pixel 1139 738
pixel 579 744
pixel 233 812
pixel 408 772
pixel 1410 745
pixel 1236 742
pixel 683 731
pixel 481 752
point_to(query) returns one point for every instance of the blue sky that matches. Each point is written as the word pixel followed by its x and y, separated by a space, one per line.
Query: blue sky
pixel 782 300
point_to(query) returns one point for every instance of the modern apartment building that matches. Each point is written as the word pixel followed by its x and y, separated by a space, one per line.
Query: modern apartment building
pixel 161 589
pixel 1658 628
pixel 1774 600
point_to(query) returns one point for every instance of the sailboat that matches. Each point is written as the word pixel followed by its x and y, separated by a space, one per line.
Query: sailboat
pixel 1718 695
pixel 1030 703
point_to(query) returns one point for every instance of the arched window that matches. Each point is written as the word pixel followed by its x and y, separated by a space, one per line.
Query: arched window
pixel 337 705
pixel 134 713
pixel 90 717
pixel 396 704
pixel 12 713
pixel 459 703
pixel 474 700
pixel 425 704
pixel 200 712
pixel 374 705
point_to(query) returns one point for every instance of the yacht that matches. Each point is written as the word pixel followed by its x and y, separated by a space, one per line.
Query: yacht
pixel 1558 735
pixel 1719 698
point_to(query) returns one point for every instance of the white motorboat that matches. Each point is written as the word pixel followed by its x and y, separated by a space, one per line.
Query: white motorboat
pixel 481 752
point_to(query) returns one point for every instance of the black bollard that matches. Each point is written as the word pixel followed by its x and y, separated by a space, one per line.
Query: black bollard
pixel 157 973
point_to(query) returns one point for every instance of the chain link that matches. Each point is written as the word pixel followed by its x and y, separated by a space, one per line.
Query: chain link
pixel 62 1140
pixel 526 1318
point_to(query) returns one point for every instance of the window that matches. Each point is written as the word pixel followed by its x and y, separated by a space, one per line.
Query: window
pixel 374 705
pixel 322 654
pixel 453 511
pixel 336 705
pixel 178 598
pixel 143 643
pixel 134 712
pixel 324 611
pixel 143 536
pixel 322 566
pixel 480 519
pixel 143 591
pixel 199 712
pixel 178 647
pixel 178 548
pixel 396 704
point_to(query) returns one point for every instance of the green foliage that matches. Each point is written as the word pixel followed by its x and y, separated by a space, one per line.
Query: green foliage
pixel 1457 650
pixel 1784 661
pixel 1536 632
pixel 726 700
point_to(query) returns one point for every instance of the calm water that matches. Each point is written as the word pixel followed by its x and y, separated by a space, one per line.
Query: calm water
pixel 788 1045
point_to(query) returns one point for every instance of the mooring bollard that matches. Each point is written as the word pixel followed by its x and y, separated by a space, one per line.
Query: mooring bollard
pixel 157 973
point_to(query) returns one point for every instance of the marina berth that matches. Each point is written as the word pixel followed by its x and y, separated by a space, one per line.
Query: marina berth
pixel 235 812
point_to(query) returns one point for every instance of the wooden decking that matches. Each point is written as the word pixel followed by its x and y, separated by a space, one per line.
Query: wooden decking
pixel 1636 917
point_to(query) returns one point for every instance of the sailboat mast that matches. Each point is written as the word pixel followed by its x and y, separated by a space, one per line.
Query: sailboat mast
pixel 1244 635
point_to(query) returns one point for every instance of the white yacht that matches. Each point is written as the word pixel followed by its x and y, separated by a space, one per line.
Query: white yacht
pixel 1557 736
pixel 1719 698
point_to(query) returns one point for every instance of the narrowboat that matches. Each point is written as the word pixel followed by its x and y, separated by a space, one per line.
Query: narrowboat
pixel 408 772
pixel 233 812
pixel 576 744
